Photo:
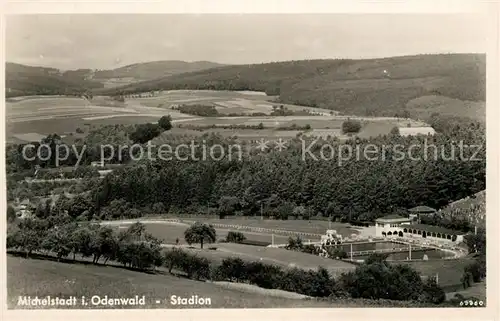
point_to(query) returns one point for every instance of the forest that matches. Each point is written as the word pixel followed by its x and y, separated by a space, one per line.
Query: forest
pixel 279 182
pixel 343 85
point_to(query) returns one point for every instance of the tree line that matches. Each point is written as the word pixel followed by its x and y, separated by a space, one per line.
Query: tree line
pixel 135 248
pixel 283 184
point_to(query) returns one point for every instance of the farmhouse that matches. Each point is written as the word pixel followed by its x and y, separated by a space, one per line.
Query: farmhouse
pixel 398 226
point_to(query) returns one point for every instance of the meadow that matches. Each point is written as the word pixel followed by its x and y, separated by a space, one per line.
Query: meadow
pixel 449 272
pixel 42 277
pixel 28 119
pixel 36 277
pixel 277 256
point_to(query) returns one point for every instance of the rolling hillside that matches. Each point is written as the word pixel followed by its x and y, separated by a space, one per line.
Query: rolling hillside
pixel 21 80
pixel 154 69
pixel 372 87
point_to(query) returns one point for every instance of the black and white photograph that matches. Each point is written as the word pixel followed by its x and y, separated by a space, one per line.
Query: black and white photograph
pixel 229 161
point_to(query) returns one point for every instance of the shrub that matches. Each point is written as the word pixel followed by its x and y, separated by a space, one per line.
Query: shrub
pixel 264 275
pixel 336 252
pixel 235 237
pixel 311 249
pixel 195 267
pixel 294 244
pixel 233 269
pixel 351 126
pixel 199 110
pixel 432 293
pixel 379 280
pixel 172 258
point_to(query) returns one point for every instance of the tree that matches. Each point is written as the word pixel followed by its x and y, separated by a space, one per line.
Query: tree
pixel 476 243
pixel 11 214
pixel 104 244
pixel 377 258
pixel 144 133
pixel 200 233
pixel 294 244
pixel 165 122
pixel 228 205
pixel 173 258
pixel 58 241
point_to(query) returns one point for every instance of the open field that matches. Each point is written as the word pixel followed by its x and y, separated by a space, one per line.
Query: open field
pixel 448 272
pixel 36 277
pixel 277 256
pixel 38 116
pixel 477 290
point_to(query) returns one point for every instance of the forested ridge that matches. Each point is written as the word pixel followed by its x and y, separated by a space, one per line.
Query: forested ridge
pixel 358 87
pixel 21 80
pixel 281 182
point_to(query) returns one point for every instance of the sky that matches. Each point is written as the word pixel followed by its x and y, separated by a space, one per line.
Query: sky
pixel 109 41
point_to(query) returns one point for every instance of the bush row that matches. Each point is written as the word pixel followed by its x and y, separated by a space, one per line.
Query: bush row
pixel 60 237
pixel 391 282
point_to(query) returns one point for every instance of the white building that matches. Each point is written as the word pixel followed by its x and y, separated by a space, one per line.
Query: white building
pixel 414 131
pixel 390 224
pixel 398 226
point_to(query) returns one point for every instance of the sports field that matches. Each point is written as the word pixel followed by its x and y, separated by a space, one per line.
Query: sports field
pixel 169 233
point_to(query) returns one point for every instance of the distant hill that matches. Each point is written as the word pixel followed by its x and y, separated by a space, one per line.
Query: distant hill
pixel 371 87
pixel 154 69
pixel 21 80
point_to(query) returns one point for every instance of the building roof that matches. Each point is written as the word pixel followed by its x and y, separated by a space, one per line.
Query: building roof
pixel 392 217
pixel 422 209
pixel 434 229
pixel 406 131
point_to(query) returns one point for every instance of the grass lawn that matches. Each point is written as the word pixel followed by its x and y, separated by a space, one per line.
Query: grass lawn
pixel 36 277
pixel 449 271
pixel 168 233
pixel 477 290
pixel 277 256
